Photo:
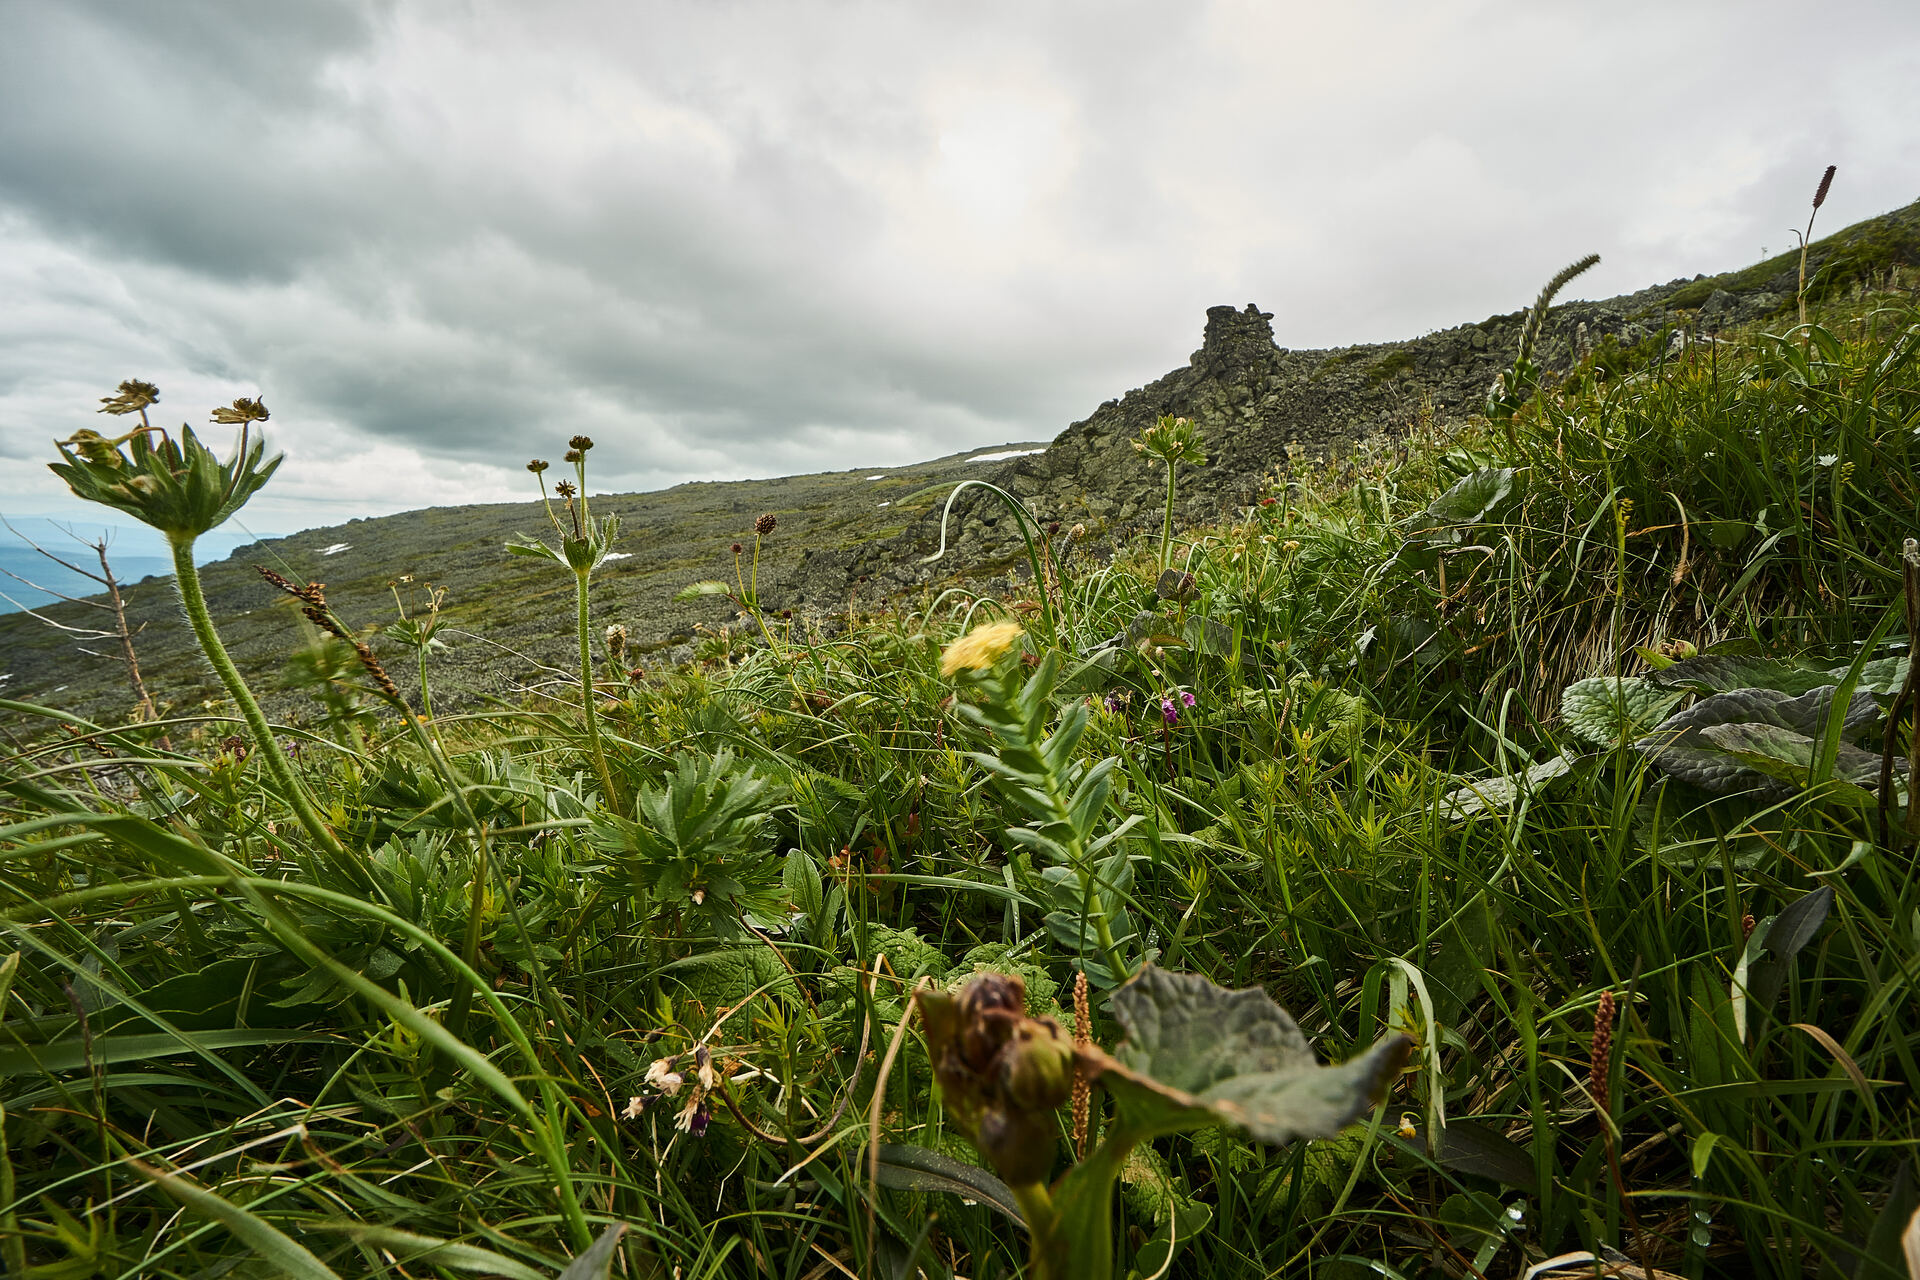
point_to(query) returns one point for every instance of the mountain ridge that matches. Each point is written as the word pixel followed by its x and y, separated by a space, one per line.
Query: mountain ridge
pixel 856 536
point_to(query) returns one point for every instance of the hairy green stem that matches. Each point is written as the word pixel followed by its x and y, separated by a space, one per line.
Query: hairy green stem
pixel 1166 534
pixel 586 695
pixel 186 579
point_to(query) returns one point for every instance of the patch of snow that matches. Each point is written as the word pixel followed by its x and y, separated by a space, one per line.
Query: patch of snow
pixel 886 504
pixel 876 477
pixel 1004 454
pixel 618 555
pixel 336 548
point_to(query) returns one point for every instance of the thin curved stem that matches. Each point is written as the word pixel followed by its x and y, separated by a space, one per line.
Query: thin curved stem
pixel 186 580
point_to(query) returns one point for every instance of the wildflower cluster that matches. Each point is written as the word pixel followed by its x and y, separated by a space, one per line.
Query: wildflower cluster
pixel 666 1081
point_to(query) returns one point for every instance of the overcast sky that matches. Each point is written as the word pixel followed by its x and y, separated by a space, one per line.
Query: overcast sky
pixel 735 239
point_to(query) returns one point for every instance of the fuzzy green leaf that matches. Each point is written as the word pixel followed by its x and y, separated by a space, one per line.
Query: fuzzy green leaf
pixel 1608 710
pixel 1198 1054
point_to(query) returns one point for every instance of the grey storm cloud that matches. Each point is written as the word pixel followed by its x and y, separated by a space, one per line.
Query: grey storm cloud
pixel 745 239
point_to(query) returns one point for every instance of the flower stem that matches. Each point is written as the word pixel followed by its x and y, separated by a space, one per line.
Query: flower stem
pixel 186 580
pixel 586 696
pixel 1166 535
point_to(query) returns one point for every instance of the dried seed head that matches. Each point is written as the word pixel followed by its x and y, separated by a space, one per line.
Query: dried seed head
pixel 1600 1060
pixel 1053 527
pixel 616 641
pixel 765 525
pixel 737 548
pixel 565 489
pixel 1826 181
pixel 571 455
pixel 244 410
pixel 582 443
pixel 134 395
pixel 537 466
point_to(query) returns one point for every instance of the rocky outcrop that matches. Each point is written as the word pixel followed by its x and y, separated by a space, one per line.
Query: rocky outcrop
pixel 1265 410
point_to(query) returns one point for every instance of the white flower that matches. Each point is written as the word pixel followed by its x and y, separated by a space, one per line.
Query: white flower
pixel 709 1078
pixel 663 1077
pixel 1827 459
pixel 635 1106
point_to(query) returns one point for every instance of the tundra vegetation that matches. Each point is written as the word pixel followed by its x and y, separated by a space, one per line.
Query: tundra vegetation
pixel 1552 772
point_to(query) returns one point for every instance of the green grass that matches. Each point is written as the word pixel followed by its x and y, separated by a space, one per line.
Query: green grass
pixel 195 994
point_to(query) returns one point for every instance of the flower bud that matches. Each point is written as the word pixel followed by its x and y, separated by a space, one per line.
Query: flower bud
pixel 1037 1066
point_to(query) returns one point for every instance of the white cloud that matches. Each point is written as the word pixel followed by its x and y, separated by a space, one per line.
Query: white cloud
pixel 748 239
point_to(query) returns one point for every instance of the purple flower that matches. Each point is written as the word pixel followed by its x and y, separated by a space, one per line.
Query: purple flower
pixel 1187 698
pixel 698 1125
pixel 1169 710
pixel 1115 703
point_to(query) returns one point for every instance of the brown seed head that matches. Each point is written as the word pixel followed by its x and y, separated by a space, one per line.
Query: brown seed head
pixel 245 409
pixel 565 489
pixel 1600 1060
pixel 1826 181
pixel 737 548
pixel 571 455
pixel 537 466
pixel 765 524
pixel 134 395
pixel 582 443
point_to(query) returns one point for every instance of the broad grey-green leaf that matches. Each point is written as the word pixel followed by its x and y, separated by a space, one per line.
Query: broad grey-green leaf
pixel 1471 499
pixel 1798 921
pixel 1678 747
pixel 1725 672
pixel 910 1168
pixel 1789 756
pixel 1493 795
pixel 1199 1054
pixel 1608 710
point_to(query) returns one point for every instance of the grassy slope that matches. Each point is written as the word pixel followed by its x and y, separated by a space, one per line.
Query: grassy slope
pixel 1291 833
pixel 1258 407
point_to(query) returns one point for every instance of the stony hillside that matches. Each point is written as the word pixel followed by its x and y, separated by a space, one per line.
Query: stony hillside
pixel 1263 409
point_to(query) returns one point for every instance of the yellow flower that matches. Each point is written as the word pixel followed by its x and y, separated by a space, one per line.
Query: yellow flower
pixel 980 648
